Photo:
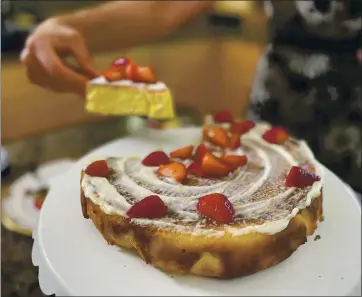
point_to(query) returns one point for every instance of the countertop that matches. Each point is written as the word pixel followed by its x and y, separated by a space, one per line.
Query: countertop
pixel 18 275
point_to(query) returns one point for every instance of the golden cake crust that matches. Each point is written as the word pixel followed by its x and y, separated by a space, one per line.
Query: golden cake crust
pixel 220 257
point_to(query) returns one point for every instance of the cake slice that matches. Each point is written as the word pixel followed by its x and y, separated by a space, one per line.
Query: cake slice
pixel 128 89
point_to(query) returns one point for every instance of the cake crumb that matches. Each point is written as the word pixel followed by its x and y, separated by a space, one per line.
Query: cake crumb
pixel 317 237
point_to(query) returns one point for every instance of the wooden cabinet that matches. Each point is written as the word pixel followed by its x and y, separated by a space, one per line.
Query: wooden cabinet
pixel 27 109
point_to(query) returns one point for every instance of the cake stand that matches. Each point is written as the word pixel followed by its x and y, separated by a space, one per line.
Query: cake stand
pixel 74 259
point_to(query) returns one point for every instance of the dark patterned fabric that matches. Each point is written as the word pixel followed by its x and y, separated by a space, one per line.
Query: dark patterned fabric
pixel 310 81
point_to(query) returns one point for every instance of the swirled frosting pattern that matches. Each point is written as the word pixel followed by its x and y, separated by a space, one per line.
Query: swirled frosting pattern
pixel 261 202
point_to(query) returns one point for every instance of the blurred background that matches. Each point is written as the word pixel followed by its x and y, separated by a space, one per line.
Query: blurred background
pixel 211 60
pixel 208 64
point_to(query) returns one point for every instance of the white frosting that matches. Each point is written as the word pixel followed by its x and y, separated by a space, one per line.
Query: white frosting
pixel 258 195
pixel 158 86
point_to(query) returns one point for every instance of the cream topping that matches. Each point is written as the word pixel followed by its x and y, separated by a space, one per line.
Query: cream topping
pixel 261 202
pixel 158 86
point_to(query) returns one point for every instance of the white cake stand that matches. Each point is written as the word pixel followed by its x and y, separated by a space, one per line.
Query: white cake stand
pixel 74 259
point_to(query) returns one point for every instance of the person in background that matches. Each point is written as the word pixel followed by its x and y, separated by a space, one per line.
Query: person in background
pixel 308 80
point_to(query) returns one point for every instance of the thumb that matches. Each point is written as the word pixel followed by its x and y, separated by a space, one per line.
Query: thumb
pixel 84 60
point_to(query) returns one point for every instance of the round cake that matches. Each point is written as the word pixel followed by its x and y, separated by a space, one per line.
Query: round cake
pixel 242 200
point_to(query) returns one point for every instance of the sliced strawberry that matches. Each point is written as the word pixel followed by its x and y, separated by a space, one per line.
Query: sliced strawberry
pixel 216 135
pixel 131 72
pixel 38 203
pixel 195 169
pixel 300 178
pixel 216 207
pixel 156 158
pixel 183 153
pixel 234 141
pixel 200 152
pixel 154 124
pixel 235 161
pixel 113 75
pixel 97 169
pixel 175 170
pixel 242 127
pixel 121 62
pixel 214 166
pixel 145 75
pixel 151 207
pixel 276 135
pixel 223 116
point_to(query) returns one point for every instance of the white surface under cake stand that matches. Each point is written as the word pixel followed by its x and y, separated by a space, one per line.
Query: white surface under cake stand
pixel 75 260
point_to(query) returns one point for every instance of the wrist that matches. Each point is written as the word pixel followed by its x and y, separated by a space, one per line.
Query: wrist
pixel 78 22
pixel 67 21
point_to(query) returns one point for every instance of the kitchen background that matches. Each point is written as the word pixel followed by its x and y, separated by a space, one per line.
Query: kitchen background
pixel 208 64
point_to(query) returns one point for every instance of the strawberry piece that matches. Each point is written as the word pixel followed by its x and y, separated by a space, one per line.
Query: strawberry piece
pixel 216 207
pixel 276 135
pixel 154 124
pixel 300 178
pixel 113 75
pixel 38 203
pixel 183 153
pixel 145 75
pixel 235 161
pixel 131 72
pixel 97 169
pixel 217 135
pixel 195 169
pixel 223 116
pixel 214 166
pixel 121 63
pixel 234 141
pixel 175 170
pixel 200 152
pixel 151 207
pixel 242 127
pixel 156 158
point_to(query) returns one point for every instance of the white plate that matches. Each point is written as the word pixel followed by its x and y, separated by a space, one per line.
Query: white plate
pixel 19 206
pixel 84 264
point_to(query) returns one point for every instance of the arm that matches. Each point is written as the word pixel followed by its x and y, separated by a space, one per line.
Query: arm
pixel 113 25
pixel 123 24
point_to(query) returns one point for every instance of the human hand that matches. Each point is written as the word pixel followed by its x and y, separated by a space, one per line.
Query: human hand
pixel 43 56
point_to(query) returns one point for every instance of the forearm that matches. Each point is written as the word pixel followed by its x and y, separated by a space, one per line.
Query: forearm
pixel 122 24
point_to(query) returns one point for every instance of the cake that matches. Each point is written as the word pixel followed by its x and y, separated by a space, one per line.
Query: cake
pixel 242 200
pixel 129 89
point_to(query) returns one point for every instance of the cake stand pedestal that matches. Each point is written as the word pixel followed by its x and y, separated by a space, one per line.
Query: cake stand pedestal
pixel 48 282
